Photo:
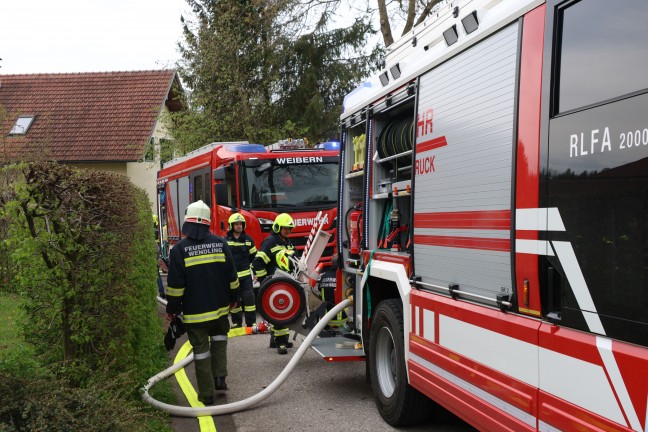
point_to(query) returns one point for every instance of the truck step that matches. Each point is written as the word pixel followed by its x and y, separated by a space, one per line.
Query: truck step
pixel 339 348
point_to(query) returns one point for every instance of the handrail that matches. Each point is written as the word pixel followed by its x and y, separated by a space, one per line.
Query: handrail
pixel 405 153
pixel 461 293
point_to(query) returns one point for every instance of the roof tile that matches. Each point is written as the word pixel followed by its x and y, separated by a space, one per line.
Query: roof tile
pixel 102 116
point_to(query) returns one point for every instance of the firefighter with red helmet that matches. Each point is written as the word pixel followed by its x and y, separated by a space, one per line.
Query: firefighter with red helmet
pixel 274 253
pixel 202 284
pixel 244 251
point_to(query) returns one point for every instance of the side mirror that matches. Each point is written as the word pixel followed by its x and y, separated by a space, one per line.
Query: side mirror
pixel 219 173
pixel 220 190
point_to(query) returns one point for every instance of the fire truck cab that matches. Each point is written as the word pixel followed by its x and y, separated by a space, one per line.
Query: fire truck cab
pixel 257 182
pixel 494 216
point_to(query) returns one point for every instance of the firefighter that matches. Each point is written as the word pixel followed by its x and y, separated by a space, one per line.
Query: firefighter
pixel 273 254
pixel 202 284
pixel 244 251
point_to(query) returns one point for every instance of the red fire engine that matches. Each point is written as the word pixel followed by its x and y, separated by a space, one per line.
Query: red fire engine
pixel 258 182
pixel 494 188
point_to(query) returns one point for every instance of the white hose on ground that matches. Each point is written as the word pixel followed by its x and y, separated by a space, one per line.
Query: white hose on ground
pixel 245 403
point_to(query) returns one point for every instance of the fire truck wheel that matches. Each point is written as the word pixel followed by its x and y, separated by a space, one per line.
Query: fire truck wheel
pixel 399 404
pixel 281 301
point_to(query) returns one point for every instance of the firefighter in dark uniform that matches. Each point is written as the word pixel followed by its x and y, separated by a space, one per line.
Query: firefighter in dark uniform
pixel 327 285
pixel 202 284
pixel 244 252
pixel 273 254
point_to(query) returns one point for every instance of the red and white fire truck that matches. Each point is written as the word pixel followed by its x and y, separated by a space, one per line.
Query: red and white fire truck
pixel 260 183
pixel 494 216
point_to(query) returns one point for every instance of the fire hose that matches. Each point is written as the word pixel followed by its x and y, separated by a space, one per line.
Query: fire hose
pixel 245 403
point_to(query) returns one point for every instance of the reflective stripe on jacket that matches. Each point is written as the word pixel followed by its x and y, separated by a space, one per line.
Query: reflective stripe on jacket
pixel 202 279
pixel 244 252
pixel 273 253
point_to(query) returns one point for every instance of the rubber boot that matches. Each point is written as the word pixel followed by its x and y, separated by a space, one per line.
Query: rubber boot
pixel 219 383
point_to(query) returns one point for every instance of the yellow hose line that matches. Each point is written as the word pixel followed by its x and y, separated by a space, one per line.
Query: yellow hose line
pixel 206 423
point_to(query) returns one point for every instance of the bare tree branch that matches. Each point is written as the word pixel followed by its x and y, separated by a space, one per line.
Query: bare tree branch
pixel 385 27
pixel 411 14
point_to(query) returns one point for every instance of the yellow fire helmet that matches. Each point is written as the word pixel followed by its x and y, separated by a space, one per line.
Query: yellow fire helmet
pixel 198 213
pixel 283 221
pixel 236 217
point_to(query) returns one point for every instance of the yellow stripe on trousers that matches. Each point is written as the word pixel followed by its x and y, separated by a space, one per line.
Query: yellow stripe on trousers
pixel 206 422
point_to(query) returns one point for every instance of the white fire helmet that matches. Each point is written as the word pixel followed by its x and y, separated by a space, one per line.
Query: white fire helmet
pixel 198 213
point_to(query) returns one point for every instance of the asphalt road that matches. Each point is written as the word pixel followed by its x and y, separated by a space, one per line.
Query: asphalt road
pixel 317 396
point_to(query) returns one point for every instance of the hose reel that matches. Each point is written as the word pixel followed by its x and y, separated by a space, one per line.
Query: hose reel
pixel 395 138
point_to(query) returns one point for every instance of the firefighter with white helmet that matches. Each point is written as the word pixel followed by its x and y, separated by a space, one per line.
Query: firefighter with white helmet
pixel 273 254
pixel 202 284
pixel 244 251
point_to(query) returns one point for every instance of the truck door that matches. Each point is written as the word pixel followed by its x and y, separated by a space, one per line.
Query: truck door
pixel 596 172
pixel 464 145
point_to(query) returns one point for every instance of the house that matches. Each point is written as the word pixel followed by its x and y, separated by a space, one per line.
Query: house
pixel 111 121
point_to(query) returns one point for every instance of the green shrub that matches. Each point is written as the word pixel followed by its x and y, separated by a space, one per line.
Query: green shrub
pixel 84 256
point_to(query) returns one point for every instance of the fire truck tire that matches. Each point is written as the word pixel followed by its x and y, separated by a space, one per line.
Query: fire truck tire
pixel 399 404
pixel 281 301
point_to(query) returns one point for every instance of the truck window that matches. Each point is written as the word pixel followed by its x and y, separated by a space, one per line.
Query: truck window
pixel 309 186
pixel 198 189
pixel 207 190
pixel 602 53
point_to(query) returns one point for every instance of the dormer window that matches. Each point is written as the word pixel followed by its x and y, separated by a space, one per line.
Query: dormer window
pixel 22 125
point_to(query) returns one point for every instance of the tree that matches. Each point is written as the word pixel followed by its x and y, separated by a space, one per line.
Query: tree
pixel 319 71
pixel 406 11
pixel 254 71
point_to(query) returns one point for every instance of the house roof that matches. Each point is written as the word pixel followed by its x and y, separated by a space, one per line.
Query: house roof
pixel 103 116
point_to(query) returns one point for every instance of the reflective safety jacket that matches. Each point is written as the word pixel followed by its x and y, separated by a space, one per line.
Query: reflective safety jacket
pixel 202 279
pixel 273 254
pixel 244 251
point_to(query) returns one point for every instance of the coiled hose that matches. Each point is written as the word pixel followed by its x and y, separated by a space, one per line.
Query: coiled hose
pixel 245 403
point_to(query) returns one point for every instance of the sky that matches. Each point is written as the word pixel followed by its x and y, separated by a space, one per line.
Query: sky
pixel 53 36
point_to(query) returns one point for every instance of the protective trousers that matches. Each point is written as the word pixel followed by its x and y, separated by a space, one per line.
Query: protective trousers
pixel 247 304
pixel 209 342
pixel 280 334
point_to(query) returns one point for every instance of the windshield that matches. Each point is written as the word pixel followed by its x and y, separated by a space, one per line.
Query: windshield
pixel 290 187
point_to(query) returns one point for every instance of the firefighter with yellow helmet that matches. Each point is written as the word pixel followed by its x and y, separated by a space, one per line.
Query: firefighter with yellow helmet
pixel 244 251
pixel 202 284
pixel 274 253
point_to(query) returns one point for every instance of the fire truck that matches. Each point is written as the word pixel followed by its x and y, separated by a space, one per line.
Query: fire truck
pixel 255 181
pixel 493 206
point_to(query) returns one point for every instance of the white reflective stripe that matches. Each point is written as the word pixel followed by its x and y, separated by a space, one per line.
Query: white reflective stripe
pixel 476 391
pixel 544 427
pixel 533 247
pixel 202 356
pixel 604 346
pixel 580 382
pixel 428 325
pixel 539 219
pixel 218 338
pixel 567 258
